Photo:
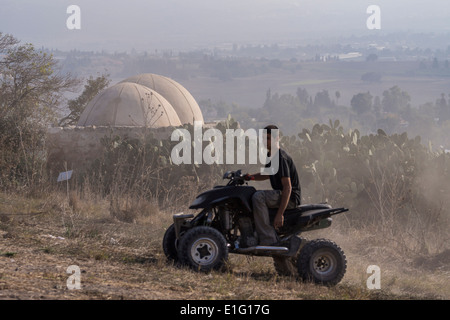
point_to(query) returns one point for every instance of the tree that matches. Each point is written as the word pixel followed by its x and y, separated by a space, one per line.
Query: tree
pixel 322 99
pixel 77 106
pixel 31 90
pixel 371 77
pixel 337 95
pixel 395 100
pixel 372 57
pixel 443 109
pixel 7 41
pixel 361 103
pixel 435 64
pixel 303 96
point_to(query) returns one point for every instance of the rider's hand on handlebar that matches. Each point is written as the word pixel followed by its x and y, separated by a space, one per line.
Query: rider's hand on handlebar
pixel 248 177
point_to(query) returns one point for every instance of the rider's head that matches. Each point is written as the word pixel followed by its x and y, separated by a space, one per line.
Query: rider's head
pixel 272 131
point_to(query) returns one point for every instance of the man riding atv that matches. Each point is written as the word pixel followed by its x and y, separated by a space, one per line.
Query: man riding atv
pixel 286 193
pixel 232 217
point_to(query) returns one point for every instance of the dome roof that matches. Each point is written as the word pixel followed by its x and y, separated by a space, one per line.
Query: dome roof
pixel 182 101
pixel 129 104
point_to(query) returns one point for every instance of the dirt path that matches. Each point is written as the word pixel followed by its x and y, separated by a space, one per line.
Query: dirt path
pixel 119 260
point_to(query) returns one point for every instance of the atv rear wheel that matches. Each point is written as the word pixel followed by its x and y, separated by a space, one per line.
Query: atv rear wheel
pixel 203 249
pixel 322 261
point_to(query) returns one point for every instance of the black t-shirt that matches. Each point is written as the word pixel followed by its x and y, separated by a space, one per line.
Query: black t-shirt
pixel 286 168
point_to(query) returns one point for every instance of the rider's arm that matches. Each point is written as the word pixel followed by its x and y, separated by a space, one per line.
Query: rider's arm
pixel 259 177
pixel 285 196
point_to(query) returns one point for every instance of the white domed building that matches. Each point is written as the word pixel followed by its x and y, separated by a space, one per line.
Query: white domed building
pixel 145 100
pixel 129 104
pixel 182 101
pixel 142 102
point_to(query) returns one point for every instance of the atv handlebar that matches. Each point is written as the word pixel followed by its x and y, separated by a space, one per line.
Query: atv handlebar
pixel 236 178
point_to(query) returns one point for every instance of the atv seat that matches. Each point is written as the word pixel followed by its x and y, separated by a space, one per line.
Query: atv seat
pixel 292 215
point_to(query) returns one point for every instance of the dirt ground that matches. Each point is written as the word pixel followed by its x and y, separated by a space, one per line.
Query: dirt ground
pixel 119 260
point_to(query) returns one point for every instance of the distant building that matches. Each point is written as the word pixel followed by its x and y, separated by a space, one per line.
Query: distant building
pixel 129 105
pixel 142 100
pixel 350 56
pixel 126 109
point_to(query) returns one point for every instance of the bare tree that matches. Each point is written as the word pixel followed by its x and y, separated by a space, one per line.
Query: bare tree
pixel 31 90
pixel 7 41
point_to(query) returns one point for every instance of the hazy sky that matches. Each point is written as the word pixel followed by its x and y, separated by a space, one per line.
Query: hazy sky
pixel 187 24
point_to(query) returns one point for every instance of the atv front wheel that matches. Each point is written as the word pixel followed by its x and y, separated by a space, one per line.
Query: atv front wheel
pixel 322 261
pixel 203 249
pixel 170 244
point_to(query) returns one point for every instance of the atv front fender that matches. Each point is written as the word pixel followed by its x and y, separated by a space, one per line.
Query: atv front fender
pixel 179 220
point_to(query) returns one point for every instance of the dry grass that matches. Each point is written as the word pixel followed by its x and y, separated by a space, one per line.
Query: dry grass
pixel 40 238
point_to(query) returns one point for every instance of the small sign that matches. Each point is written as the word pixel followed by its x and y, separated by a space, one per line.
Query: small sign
pixel 63 176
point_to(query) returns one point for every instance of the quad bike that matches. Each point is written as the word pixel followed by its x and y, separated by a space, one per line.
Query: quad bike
pixel 225 225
